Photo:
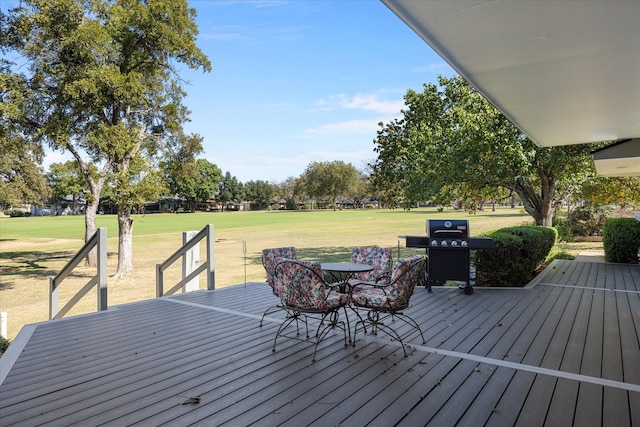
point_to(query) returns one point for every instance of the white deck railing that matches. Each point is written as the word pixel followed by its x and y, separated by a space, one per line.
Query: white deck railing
pixel 208 265
pixel 99 241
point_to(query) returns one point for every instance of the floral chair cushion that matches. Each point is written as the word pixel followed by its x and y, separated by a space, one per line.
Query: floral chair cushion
pixel 271 257
pixel 379 258
pixel 302 287
pixel 394 296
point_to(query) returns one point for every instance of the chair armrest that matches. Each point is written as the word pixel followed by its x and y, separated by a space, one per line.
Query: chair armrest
pixel 384 275
pixel 370 284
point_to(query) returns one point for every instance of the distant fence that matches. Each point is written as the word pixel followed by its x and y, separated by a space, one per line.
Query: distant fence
pixel 99 241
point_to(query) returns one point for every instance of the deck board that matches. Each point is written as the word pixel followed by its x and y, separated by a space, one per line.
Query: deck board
pixel 138 363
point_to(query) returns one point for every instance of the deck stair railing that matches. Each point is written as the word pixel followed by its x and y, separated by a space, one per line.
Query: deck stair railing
pixel 208 265
pixel 99 241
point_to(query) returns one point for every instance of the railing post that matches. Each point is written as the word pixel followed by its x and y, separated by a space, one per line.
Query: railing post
pixel 159 281
pixel 3 324
pixel 98 241
pixel 53 297
pixel 192 244
pixel 190 261
pixel 211 271
pixel 102 269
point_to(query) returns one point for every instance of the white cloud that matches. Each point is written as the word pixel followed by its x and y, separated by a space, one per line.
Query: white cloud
pixel 364 102
pixel 439 67
pixel 361 126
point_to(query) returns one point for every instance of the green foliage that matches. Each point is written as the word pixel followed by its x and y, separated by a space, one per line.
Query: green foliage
pixel 587 220
pixel 452 138
pixel 66 179
pixel 193 181
pixel 519 251
pixel 231 190
pixel 624 191
pixel 103 85
pixel 14 213
pixel 259 193
pixel 4 344
pixel 286 190
pixel 21 179
pixel 559 254
pixel 621 240
pixel 563 229
pixel 330 180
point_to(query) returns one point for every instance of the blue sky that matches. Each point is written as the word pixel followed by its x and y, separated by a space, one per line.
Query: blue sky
pixel 299 81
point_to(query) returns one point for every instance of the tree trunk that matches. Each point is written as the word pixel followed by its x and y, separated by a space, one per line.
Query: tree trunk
pixel 540 206
pixel 93 201
pixel 90 229
pixel 125 244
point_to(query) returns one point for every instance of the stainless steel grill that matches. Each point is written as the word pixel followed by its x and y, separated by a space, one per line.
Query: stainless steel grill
pixel 448 247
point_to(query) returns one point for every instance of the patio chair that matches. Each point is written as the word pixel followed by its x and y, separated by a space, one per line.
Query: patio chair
pixel 270 258
pixel 385 302
pixel 379 258
pixel 304 293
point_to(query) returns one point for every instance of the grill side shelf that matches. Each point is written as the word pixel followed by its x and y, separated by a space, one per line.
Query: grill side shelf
pixel 481 243
pixel 416 241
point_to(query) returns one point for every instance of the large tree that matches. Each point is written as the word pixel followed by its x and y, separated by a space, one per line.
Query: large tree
pixel 193 181
pixel 230 191
pixel 105 87
pixel 66 179
pixel 21 178
pixel 259 193
pixel 287 190
pixel 330 180
pixel 450 136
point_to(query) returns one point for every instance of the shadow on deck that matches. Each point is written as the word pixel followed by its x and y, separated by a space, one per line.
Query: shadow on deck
pixel 562 351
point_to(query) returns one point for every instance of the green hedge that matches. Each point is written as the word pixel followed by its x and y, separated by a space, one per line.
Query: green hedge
pixel 519 251
pixel 621 240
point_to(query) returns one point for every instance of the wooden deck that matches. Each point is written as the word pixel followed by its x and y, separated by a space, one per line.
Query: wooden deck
pixel 563 351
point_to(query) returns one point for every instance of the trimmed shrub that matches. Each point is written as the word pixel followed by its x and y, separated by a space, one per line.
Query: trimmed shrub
pixel 565 234
pixel 4 344
pixel 519 251
pixel 587 220
pixel 621 240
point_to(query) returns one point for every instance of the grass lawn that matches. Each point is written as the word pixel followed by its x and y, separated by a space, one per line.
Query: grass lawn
pixel 35 248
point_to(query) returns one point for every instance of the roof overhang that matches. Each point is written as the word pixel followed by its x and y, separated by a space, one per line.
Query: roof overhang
pixel 564 72
pixel 619 159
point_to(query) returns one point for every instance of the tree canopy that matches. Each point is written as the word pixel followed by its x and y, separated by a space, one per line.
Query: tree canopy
pixel 21 178
pixel 259 193
pixel 65 179
pixel 452 141
pixel 193 181
pixel 329 179
pixel 231 190
pixel 103 84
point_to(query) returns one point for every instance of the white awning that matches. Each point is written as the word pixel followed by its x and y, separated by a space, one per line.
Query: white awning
pixel 620 159
pixel 564 72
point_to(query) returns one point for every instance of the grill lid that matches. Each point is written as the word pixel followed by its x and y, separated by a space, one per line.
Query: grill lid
pixel 448 228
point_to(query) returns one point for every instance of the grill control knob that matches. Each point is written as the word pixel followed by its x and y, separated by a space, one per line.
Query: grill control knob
pixel 454 244
pixel 444 244
pixel 434 243
pixel 464 244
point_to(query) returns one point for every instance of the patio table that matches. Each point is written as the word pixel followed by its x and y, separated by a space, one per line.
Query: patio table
pixel 341 272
